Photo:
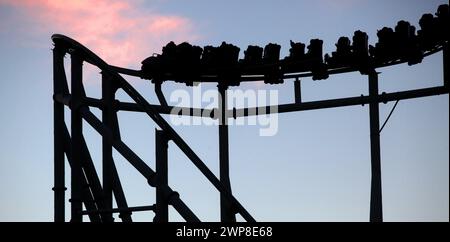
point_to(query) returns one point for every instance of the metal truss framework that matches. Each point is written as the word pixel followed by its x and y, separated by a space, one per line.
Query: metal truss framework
pixel 97 196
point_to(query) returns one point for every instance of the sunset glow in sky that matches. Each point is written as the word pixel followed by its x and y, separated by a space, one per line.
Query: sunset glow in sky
pixel 317 167
pixel 119 31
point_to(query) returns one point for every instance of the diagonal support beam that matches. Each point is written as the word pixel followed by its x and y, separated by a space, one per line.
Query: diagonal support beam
pixel 120 196
pixel 162 123
pixel 89 193
pixel 138 164
pixel 92 181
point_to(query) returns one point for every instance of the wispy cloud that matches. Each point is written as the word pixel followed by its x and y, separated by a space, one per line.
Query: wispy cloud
pixel 122 33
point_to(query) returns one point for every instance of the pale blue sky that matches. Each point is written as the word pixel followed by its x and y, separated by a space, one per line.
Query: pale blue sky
pixel 317 168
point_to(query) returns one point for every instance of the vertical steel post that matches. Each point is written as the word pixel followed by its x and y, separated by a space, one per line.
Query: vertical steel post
pixel 77 137
pixel 162 206
pixel 445 65
pixel 376 209
pixel 227 213
pixel 58 137
pixel 108 96
pixel 298 91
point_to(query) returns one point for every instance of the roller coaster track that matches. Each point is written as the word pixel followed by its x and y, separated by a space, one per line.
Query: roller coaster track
pixel 291 75
pixel 85 185
pixel 92 58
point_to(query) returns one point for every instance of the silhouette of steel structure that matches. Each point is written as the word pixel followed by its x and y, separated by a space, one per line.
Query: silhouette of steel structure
pixel 97 195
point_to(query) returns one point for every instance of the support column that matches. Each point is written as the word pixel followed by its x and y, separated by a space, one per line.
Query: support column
pixel 298 91
pixel 108 114
pixel 77 137
pixel 376 210
pixel 162 206
pixel 227 213
pixel 58 136
pixel 445 65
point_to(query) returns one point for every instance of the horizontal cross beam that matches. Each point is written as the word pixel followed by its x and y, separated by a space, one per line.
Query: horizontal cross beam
pixel 119 210
pixel 283 108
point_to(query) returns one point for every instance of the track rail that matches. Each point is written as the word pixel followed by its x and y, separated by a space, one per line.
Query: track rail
pixel 93 59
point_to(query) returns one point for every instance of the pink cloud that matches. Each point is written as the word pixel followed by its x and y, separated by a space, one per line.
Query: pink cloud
pixel 122 33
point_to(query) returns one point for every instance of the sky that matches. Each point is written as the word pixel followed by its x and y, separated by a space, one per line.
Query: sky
pixel 317 166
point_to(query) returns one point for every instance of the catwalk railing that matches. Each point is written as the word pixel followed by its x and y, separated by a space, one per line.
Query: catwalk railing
pixel 97 196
